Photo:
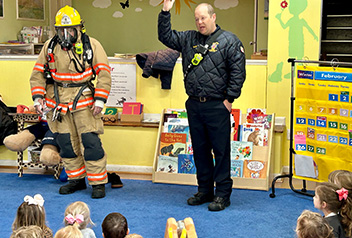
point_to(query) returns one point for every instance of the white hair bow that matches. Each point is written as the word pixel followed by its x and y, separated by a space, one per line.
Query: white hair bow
pixel 36 200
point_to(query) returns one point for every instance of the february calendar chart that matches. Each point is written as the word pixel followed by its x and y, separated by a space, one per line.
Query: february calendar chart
pixel 323 116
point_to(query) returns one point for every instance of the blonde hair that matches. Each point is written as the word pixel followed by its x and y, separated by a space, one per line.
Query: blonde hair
pixel 69 232
pixel 29 215
pixel 313 225
pixel 134 235
pixel 79 208
pixel 32 231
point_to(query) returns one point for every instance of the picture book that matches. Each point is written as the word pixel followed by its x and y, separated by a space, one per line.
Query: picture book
pixel 186 164
pixel 134 108
pixel 255 133
pixel 189 148
pixel 305 166
pixel 254 169
pixel 254 113
pixel 241 150
pixel 236 115
pixel 169 115
pixel 237 168
pixel 167 164
pixel 172 144
pixel 178 128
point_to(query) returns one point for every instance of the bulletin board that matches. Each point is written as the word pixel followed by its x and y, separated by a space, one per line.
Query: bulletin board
pixel 322 121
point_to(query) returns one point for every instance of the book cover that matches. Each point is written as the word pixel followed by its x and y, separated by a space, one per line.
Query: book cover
pixel 169 115
pixel 255 133
pixel 254 113
pixel 189 149
pixel 254 169
pixel 236 114
pixel 167 164
pixel 237 168
pixel 172 144
pixel 241 150
pixel 179 128
pixel 186 164
pixel 134 108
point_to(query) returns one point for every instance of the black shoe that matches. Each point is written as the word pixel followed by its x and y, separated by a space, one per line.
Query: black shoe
pixel 200 198
pixel 73 186
pixel 98 191
pixel 219 204
pixel 115 180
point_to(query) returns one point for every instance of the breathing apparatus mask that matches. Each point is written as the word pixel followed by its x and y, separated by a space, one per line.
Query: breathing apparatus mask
pixel 67 37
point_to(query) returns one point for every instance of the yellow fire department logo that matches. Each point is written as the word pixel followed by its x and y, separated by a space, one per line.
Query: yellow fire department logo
pixel 213 47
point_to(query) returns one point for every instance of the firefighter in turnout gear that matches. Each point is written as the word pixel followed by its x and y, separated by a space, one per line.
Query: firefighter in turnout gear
pixel 62 88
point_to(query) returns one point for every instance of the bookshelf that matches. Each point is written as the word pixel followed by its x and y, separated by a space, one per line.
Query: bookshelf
pixel 263 153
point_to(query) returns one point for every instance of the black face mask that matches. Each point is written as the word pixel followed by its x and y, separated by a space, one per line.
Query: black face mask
pixel 67 37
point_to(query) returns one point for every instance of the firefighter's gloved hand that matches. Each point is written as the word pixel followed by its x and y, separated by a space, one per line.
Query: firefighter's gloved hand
pixel 97 107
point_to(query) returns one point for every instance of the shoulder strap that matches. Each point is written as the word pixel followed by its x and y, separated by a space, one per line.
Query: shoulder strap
pixel 213 37
pixel 198 57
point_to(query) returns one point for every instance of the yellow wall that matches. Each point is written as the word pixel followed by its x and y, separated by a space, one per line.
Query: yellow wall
pixel 129 145
pixel 299 38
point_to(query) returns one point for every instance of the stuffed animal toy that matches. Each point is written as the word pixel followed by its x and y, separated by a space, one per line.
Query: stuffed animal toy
pixel 49 154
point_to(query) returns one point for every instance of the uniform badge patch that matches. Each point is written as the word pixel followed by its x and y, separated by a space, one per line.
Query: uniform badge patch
pixel 242 49
pixel 213 47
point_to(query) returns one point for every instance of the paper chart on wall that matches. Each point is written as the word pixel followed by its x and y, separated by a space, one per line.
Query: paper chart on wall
pixel 123 84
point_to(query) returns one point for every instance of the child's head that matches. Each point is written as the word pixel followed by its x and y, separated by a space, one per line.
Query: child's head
pixel 79 213
pixel 341 178
pixel 69 232
pixel 313 225
pixel 327 198
pixel 30 212
pixel 114 226
pixel 32 231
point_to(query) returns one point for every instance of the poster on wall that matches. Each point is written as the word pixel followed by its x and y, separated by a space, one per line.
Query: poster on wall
pixel 323 118
pixel 123 84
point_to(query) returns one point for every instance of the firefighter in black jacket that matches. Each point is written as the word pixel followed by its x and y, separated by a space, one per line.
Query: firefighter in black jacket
pixel 213 63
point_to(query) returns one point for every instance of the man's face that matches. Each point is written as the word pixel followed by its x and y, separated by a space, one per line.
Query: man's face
pixel 204 22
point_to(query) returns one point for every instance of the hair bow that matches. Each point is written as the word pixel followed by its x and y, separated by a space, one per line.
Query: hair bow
pixel 343 193
pixel 70 219
pixel 36 200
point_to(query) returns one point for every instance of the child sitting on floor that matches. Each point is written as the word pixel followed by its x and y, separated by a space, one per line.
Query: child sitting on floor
pixel 31 231
pixel 343 179
pixel 69 232
pixel 32 212
pixel 115 226
pixel 78 213
pixel 327 200
pixel 313 225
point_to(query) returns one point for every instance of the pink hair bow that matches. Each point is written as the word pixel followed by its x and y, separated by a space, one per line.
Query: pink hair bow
pixel 36 200
pixel 343 194
pixel 70 219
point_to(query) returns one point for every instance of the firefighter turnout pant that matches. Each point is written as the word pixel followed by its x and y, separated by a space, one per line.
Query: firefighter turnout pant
pixel 80 145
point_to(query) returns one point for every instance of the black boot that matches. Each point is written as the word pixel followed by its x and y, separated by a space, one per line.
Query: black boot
pixel 115 180
pixel 98 191
pixel 73 186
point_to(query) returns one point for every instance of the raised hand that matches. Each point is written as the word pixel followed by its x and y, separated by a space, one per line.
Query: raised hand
pixel 168 5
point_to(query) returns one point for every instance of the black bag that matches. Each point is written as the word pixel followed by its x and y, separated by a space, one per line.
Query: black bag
pixel 7 125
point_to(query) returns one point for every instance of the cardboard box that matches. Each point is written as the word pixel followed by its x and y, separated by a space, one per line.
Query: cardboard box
pixel 132 117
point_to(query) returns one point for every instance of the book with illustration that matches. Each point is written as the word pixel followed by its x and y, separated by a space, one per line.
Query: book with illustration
pixel 241 150
pixel 186 164
pixel 254 169
pixel 167 164
pixel 237 168
pixel 172 144
pixel 255 133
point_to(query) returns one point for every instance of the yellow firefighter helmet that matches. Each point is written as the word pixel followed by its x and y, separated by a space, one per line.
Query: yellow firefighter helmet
pixel 67 17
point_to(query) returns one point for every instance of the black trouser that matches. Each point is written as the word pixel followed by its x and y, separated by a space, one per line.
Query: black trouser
pixel 210 128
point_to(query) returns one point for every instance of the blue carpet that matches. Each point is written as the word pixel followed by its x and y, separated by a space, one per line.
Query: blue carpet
pixel 147 207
